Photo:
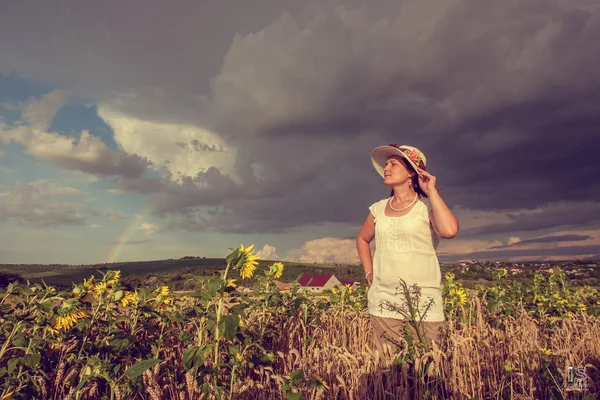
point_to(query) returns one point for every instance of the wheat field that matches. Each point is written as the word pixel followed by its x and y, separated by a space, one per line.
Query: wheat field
pixel 101 341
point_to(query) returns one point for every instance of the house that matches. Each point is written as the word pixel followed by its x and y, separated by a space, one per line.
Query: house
pixel 318 282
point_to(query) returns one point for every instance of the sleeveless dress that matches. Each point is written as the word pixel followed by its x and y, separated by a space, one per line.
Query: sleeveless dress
pixel 405 248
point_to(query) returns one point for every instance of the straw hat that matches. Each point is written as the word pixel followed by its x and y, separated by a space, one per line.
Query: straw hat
pixel 414 156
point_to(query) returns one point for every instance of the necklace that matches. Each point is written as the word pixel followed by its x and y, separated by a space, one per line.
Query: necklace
pixel 403 208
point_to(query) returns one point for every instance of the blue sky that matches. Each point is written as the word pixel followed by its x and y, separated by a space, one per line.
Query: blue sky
pixel 187 130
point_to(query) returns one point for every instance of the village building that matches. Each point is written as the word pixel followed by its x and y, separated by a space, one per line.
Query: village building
pixel 319 282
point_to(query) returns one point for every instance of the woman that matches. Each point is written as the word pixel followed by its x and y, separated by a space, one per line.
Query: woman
pixel 406 235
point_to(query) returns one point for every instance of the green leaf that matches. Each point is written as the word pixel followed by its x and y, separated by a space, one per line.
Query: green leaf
pixel 19 340
pixel 122 319
pixel 232 256
pixel 118 295
pixel 210 326
pixel 193 357
pixel 32 359
pixel 228 326
pixel 297 375
pixel 119 345
pixel 82 382
pixel 46 306
pixel 139 368
pixel 268 358
pixel 214 285
pixel 3 372
pixel 12 364
pixel 294 396
pixel 5 309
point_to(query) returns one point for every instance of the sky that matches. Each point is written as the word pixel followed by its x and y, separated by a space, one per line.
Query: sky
pixel 146 130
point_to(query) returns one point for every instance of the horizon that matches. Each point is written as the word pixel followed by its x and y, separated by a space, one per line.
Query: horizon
pixel 189 128
pixel 491 261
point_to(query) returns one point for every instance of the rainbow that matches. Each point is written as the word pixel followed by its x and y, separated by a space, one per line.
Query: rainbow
pixel 126 236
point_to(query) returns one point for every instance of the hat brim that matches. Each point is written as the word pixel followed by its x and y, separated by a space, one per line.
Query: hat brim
pixel 380 155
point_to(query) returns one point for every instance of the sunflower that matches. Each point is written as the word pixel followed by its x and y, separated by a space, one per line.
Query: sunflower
pixel 162 296
pixel 276 270
pixel 68 321
pixel 101 288
pixel 247 262
pixel 449 276
pixel 130 297
pixel 458 296
pixel 547 352
pixel 231 283
pixel 116 275
pixel 164 291
pixel 89 284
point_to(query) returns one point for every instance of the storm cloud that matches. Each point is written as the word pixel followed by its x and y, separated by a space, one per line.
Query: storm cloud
pixel 503 98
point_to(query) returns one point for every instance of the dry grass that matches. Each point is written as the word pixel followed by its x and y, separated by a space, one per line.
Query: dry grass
pixel 479 359
pixel 476 360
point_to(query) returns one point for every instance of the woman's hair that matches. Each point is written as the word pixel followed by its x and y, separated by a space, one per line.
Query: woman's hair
pixel 415 179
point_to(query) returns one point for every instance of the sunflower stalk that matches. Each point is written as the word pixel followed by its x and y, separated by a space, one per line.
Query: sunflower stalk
pixel 219 312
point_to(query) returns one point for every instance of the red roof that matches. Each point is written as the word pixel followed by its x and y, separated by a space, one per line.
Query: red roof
pixel 348 282
pixel 314 280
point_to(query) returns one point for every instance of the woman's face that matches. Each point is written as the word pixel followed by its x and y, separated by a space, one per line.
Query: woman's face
pixel 395 171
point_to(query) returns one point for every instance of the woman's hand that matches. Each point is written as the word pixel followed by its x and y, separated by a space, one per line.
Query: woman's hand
pixel 426 181
pixel 369 276
pixel 443 220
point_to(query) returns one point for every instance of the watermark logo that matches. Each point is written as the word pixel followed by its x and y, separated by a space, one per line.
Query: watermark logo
pixel 577 380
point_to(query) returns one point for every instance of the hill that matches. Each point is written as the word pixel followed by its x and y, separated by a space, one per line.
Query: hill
pixel 171 270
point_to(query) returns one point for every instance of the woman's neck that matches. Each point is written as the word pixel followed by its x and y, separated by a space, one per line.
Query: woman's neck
pixel 404 194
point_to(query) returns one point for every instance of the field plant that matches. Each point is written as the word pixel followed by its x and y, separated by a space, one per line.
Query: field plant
pixel 239 337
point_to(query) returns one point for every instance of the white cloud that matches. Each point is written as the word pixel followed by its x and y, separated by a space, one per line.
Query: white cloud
pixel 41 203
pixel 513 240
pixel 86 153
pixel 464 246
pixel 95 226
pixel 149 229
pixel 110 214
pixel 268 252
pixel 115 192
pixel 38 114
pixel 326 251
pixel 48 188
pixel 182 150
pixel 2 153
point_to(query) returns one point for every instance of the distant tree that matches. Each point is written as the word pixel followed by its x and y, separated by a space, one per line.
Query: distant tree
pixel 6 278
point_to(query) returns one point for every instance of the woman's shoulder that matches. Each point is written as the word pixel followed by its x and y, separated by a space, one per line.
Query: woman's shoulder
pixel 376 207
pixel 380 203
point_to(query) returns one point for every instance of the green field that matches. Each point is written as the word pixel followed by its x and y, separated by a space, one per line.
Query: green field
pixel 169 271
pixel 175 272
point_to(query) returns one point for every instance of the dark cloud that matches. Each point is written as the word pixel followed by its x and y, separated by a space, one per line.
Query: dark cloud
pixel 569 215
pixel 539 254
pixel 504 118
pixel 503 98
pixel 547 239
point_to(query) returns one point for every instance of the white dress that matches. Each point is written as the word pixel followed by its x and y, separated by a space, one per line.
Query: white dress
pixel 405 248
